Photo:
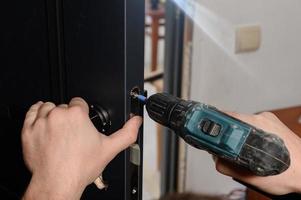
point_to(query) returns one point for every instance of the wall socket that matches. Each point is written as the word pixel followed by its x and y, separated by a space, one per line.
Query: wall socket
pixel 247 38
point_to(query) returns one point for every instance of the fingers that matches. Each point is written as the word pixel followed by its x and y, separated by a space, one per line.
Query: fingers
pixel 126 136
pixel 251 119
pixel 62 106
pixel 41 110
pixel 228 169
pixel 270 116
pixel 45 109
pixel 79 102
pixel 31 114
pixel 243 117
pixel 119 141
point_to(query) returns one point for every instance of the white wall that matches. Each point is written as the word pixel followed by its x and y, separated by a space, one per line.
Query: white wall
pixel 250 82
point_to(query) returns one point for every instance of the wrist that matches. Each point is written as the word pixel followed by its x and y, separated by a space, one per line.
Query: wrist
pixel 56 187
pixel 297 166
pixel 297 188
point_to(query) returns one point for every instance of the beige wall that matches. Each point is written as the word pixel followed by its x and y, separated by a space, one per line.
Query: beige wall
pixel 266 79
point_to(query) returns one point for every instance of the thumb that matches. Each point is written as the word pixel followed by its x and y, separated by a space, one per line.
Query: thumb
pixel 126 136
pixel 229 169
pixel 261 182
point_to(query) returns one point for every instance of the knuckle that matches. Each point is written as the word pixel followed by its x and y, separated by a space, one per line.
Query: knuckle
pixel 48 103
pixel 34 106
pixel 40 123
pixel 233 114
pixel 77 99
pixel 25 134
pixel 267 115
pixel 55 114
pixel 132 136
pixel 129 135
pixel 77 111
pixel 218 166
pixel 57 121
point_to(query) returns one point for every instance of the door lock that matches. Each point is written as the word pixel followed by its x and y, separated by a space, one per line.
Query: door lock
pixel 100 118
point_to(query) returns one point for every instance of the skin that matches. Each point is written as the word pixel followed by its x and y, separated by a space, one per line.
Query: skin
pixel 65 152
pixel 286 182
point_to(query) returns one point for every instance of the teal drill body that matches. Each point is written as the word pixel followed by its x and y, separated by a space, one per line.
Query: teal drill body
pixel 205 127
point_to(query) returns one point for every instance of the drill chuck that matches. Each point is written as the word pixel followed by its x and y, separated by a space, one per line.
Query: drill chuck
pixel 168 110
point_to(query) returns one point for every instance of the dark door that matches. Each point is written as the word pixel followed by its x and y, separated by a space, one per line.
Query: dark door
pixel 53 50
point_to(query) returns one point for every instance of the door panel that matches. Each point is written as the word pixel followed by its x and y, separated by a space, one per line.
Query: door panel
pixel 24 79
pixel 56 50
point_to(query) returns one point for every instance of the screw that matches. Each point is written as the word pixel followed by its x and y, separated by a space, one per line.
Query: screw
pixel 259 169
pixel 134 191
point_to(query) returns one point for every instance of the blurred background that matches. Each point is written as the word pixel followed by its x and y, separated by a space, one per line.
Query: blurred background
pixel 242 56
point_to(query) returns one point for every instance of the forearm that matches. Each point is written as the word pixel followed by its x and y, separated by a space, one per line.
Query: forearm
pixel 298 188
pixel 52 189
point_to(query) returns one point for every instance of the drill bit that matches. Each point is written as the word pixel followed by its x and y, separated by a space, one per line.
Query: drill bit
pixel 140 97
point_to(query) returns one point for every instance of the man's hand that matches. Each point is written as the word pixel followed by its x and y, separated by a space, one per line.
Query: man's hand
pixel 286 182
pixel 65 152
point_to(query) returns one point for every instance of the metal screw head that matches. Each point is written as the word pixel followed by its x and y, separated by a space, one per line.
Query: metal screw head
pixel 134 191
pixel 259 169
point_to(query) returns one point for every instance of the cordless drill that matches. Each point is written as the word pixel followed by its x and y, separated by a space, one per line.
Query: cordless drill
pixel 205 127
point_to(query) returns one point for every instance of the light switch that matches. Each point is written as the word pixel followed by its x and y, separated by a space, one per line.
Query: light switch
pixel 247 38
